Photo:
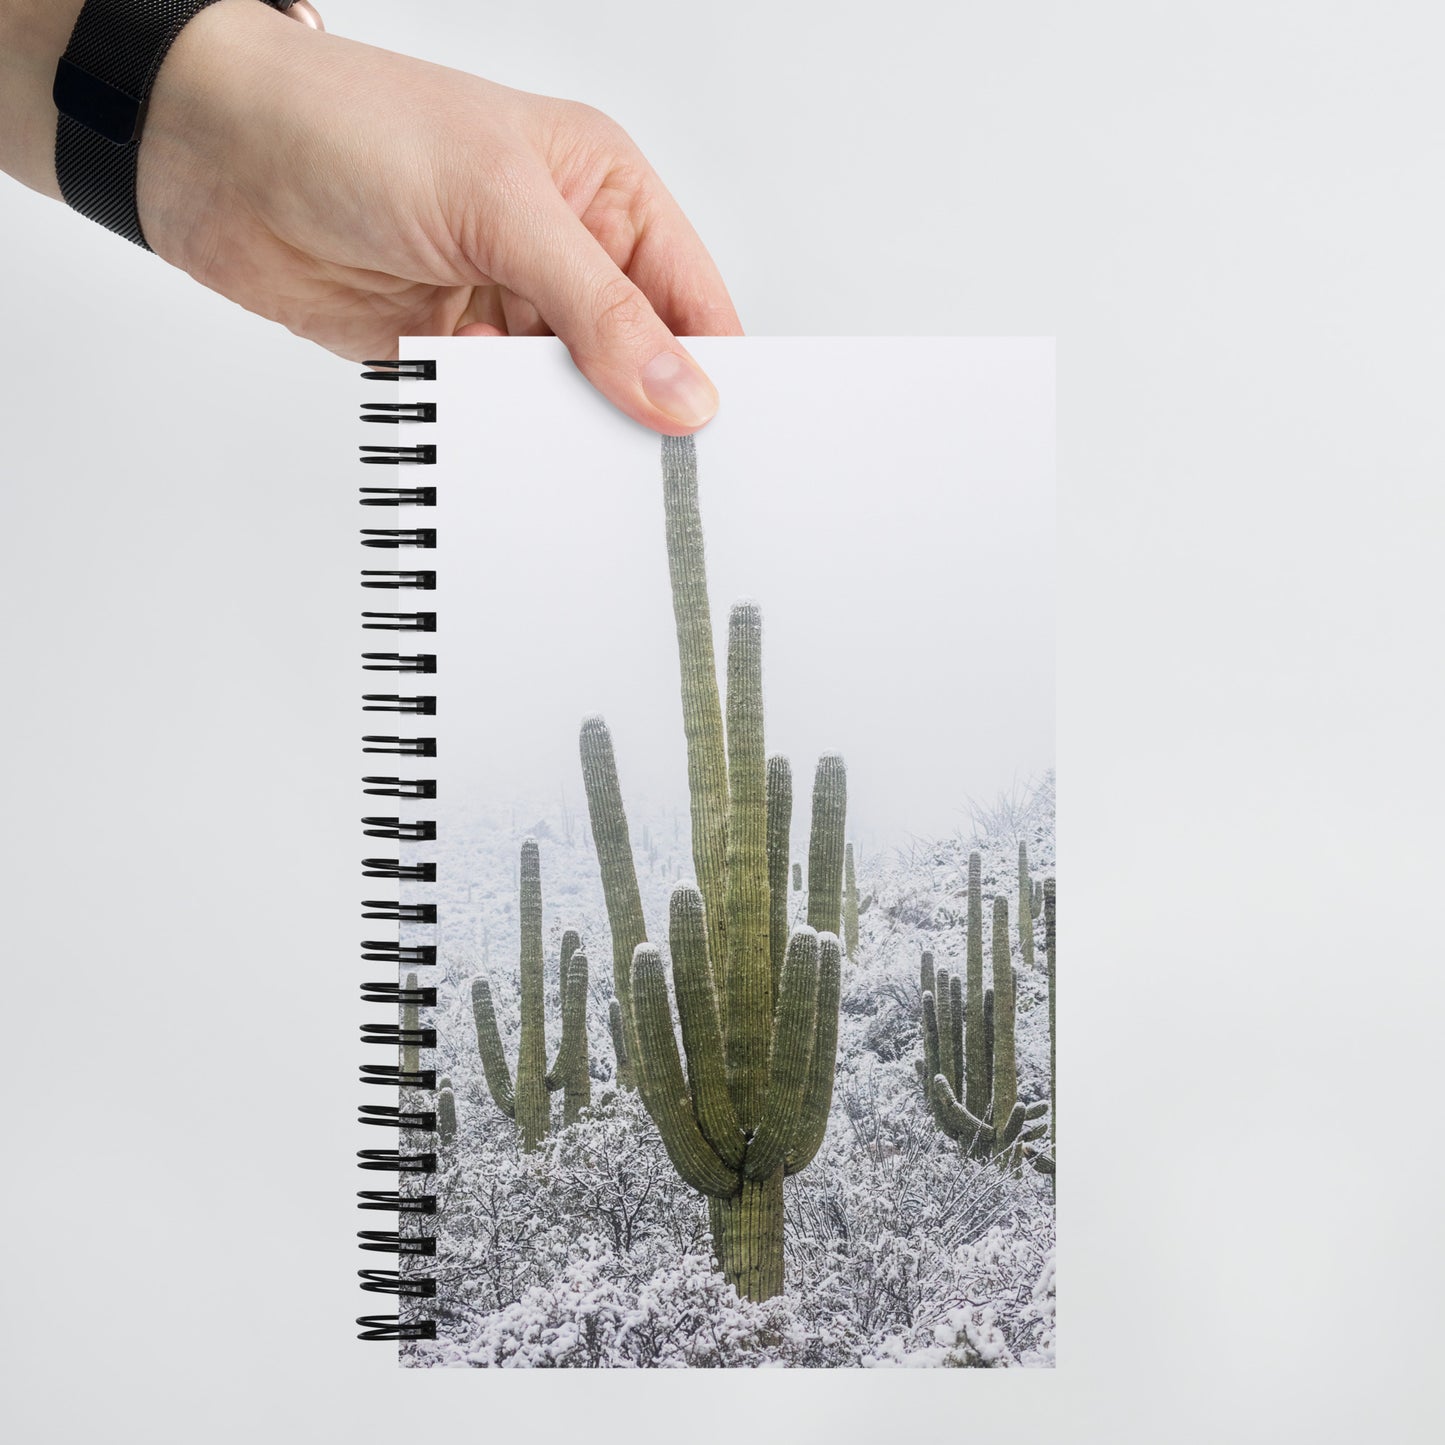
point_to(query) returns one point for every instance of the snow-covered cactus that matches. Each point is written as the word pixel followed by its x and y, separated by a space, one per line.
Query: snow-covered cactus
pixel 850 903
pixel 446 1115
pixel 570 1072
pixel 758 1010
pixel 527 1101
pixel 976 1067
pixel 1005 1067
pixel 1026 907
pixel 951 1045
pixel 619 876
pixel 797 877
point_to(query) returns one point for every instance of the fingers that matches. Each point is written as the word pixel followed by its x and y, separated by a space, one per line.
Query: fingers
pixel 619 342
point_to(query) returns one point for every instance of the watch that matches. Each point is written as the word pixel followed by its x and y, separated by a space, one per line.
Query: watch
pixel 102 85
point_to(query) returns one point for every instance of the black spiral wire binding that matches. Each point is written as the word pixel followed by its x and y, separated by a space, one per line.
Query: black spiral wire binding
pixel 409 1117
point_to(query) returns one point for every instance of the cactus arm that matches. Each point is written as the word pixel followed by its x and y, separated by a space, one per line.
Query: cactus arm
pixel 780 823
pixel 976 1085
pixel 943 1006
pixel 533 1109
pixel 577 1080
pixel 1012 1128
pixel 557 1075
pixel 930 1065
pixel 818 1097
pixel 1044 1163
pixel 1005 1066
pixel 666 1093
pixel 619 873
pixel 955 1021
pixel 707 775
pixel 825 845
pixel 701 1032
pixel 794 1037
pixel 1036 1110
pixel 747 986
pixel 489 1045
pixel 957 1121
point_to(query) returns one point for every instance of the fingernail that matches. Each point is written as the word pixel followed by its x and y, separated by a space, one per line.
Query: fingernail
pixel 675 386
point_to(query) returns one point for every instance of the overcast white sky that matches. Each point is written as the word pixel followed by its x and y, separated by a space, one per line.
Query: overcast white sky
pixel 888 501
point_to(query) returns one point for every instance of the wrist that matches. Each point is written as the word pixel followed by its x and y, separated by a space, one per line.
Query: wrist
pixel 33 36
pixel 215 99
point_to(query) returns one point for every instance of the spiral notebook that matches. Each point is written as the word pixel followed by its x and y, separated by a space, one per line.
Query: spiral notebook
pixel 710 942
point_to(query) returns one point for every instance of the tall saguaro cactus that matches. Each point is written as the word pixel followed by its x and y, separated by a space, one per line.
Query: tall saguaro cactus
pixel 758 1009
pixel 976 1084
pixel 527 1100
pixel 850 902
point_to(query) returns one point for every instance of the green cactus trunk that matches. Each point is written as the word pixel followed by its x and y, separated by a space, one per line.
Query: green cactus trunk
pixel 750 1239
pixel 1005 1069
pixel 1026 908
pixel 797 877
pixel 570 1070
pixel 707 768
pixel 533 1111
pixel 825 845
pixel 977 1093
pixel 850 904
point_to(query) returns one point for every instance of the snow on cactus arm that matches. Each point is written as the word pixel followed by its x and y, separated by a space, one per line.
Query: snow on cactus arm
pixel 796 1033
pixel 665 1091
pixel 748 981
pixel 697 1012
pixel 780 822
pixel 707 768
pixel 818 1097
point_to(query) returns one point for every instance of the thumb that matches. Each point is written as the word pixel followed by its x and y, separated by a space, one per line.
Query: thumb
pixel 617 340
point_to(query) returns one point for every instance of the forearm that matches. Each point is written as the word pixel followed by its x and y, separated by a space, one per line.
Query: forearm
pixel 33 35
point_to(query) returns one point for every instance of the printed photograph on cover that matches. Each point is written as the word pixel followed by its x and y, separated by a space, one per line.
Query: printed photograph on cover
pixel 744 863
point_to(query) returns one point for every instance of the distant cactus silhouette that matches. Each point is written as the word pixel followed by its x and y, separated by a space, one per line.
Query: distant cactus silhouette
pixel 797 877
pixel 953 1047
pixel 527 1101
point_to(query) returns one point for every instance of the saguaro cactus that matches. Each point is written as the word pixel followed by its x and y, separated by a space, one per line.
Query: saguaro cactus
pixel 850 903
pixel 1026 907
pixel 950 1051
pixel 797 877
pixel 527 1102
pixel 976 1085
pixel 410 1024
pixel 446 1114
pixel 758 1010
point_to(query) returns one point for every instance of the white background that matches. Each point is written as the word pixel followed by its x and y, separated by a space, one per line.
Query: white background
pixel 1229 216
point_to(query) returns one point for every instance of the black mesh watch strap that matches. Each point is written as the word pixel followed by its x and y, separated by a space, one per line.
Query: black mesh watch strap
pixel 102 84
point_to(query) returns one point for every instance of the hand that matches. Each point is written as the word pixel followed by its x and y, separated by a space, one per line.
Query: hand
pixel 355 195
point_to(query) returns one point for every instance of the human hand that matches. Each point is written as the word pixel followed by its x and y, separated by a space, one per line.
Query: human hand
pixel 355 195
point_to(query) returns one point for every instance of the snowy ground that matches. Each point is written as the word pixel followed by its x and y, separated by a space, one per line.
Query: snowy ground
pixel 593 1253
